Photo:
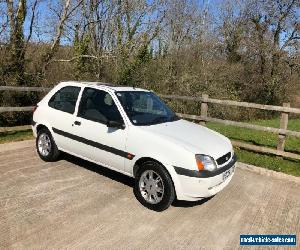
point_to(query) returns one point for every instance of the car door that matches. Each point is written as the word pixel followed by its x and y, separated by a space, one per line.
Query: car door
pixel 60 115
pixel 98 142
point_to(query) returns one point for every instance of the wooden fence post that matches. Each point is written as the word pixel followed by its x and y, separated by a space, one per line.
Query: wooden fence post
pixel 283 125
pixel 204 109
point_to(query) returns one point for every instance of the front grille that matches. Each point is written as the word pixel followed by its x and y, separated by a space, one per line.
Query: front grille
pixel 224 158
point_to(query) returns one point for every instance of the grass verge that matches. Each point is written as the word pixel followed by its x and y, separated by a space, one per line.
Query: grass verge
pixel 16 136
pixel 280 164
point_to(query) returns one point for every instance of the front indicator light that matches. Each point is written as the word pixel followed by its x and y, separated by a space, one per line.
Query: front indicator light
pixel 200 165
pixel 205 162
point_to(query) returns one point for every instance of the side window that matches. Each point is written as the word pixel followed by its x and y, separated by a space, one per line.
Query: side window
pixel 65 99
pixel 97 105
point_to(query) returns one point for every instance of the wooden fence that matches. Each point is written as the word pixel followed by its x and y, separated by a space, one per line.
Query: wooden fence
pixel 282 132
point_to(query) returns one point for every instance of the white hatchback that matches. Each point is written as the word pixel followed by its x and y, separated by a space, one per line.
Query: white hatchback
pixel 134 132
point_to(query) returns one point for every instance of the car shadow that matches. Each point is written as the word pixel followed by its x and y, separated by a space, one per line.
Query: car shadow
pixel 126 180
pixel 185 204
pixel 121 178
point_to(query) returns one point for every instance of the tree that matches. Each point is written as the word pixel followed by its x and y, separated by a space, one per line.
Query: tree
pixel 17 43
pixel 275 27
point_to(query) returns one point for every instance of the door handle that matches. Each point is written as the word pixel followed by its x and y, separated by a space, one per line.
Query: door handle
pixel 77 123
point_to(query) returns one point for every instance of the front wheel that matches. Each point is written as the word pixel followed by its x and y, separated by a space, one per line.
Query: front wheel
pixel 154 187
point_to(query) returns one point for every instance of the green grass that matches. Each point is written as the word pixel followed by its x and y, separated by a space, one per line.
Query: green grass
pixel 15 136
pixel 272 162
pixel 261 138
pixel 293 124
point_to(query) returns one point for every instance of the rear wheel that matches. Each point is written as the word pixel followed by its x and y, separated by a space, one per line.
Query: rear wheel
pixel 45 145
pixel 154 187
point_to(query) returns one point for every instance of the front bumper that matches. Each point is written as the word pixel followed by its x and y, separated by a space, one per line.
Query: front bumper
pixel 196 185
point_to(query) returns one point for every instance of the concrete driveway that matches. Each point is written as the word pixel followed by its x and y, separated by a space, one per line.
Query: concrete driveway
pixel 78 205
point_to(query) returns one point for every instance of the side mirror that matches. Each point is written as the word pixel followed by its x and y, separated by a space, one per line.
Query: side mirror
pixel 115 124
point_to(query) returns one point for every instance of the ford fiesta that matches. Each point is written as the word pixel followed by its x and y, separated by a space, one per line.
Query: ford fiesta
pixel 134 132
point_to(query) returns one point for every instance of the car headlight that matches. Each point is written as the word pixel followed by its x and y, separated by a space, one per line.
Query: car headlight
pixel 205 162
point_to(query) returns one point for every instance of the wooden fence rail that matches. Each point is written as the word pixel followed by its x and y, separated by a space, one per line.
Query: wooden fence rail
pixel 205 98
pixel 282 132
pixel 15 109
pixel 24 89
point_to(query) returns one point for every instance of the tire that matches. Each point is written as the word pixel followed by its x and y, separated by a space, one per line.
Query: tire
pixel 157 193
pixel 46 146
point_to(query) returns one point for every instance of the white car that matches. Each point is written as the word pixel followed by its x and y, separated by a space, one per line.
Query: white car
pixel 132 131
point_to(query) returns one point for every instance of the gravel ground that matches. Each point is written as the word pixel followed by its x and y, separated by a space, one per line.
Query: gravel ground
pixel 78 205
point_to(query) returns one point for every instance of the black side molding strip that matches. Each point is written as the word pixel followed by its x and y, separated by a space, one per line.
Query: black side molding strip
pixel 205 173
pixel 94 144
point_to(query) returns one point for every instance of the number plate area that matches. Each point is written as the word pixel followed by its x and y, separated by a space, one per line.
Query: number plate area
pixel 227 173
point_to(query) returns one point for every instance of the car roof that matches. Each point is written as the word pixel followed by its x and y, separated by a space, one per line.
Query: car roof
pixel 102 85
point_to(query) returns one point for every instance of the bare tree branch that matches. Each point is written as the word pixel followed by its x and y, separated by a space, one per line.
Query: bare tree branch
pixel 59 31
pixel 11 16
pixel 81 56
pixel 33 9
pixel 292 37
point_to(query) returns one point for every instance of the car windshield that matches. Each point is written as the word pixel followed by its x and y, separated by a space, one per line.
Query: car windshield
pixel 145 108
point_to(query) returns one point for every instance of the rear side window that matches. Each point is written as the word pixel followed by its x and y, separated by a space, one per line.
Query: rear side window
pixel 65 99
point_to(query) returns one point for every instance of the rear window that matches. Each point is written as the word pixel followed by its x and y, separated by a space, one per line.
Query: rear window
pixel 65 99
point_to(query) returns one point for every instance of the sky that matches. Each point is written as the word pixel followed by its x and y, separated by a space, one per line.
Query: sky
pixel 43 13
pixel 47 28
